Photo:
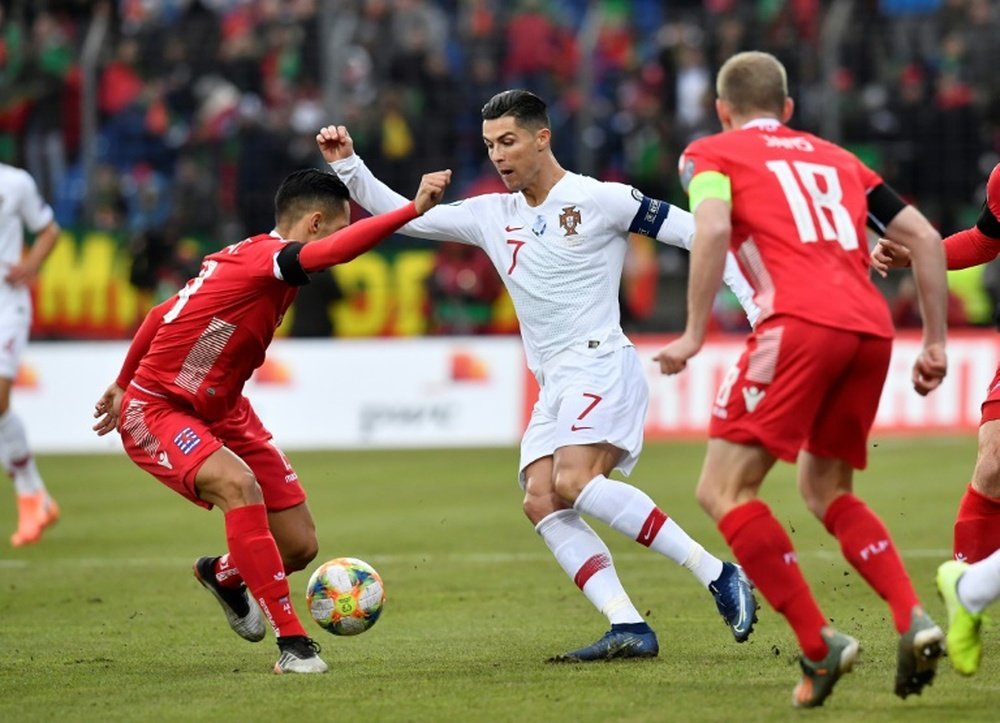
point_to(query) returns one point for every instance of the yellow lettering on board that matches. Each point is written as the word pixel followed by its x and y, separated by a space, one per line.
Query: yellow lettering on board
pixel 411 271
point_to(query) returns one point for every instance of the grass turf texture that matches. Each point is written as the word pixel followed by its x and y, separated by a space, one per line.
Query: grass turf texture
pixel 104 620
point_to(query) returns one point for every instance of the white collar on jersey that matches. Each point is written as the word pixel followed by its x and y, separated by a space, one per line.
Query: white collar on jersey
pixel 768 124
pixel 275 234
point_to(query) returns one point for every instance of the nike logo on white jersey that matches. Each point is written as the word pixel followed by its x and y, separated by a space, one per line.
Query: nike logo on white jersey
pixel 752 397
pixel 509 229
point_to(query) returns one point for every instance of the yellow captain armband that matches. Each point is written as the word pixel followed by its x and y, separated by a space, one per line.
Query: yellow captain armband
pixel 709 184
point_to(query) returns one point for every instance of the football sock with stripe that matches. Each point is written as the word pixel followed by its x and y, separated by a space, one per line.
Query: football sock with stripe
pixel 586 559
pixel 633 513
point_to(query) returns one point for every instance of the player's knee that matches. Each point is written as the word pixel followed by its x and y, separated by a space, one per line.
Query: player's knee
pixel 815 503
pixel 711 499
pixel 986 478
pixel 569 483
pixel 237 489
pixel 300 554
pixel 537 507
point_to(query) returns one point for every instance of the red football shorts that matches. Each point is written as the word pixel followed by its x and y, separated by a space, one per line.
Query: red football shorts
pixel 801 385
pixel 991 406
pixel 170 443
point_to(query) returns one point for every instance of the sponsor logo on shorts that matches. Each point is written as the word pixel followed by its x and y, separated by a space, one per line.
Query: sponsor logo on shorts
pixel 163 460
pixel 576 428
pixel 752 397
pixel 186 440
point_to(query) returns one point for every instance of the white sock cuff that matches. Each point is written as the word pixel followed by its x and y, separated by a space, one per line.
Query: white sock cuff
pixel 590 492
pixel 556 519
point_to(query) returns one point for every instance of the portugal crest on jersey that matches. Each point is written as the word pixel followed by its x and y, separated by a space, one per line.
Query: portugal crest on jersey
pixel 569 219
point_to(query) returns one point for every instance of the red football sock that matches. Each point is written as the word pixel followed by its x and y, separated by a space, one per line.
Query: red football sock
pixel 977 527
pixel 252 549
pixel 226 573
pixel 866 544
pixel 765 551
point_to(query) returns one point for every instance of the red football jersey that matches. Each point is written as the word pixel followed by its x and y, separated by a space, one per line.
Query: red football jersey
pixel 217 330
pixel 799 206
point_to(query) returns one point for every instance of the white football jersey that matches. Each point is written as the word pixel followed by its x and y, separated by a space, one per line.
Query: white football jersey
pixel 561 261
pixel 21 206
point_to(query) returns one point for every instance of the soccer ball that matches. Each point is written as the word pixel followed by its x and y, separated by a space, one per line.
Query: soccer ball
pixel 345 596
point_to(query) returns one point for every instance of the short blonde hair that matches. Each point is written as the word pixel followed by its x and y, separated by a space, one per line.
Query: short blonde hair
pixel 753 81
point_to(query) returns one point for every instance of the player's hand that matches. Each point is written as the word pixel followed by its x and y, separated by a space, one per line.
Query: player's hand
pixel 930 369
pixel 21 274
pixel 431 190
pixel 107 410
pixel 335 143
pixel 889 255
pixel 673 358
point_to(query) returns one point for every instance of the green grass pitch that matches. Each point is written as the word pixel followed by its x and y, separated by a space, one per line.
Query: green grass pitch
pixel 104 621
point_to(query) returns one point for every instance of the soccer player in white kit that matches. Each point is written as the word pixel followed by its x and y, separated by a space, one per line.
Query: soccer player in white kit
pixel 21 205
pixel 558 242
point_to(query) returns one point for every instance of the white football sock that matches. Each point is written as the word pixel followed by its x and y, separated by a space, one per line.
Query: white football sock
pixel 980 584
pixel 633 513
pixel 17 456
pixel 587 560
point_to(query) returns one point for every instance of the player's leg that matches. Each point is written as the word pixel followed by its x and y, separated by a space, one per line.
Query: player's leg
pixel 226 481
pixel 977 524
pixel 36 508
pixel 761 413
pixel 837 445
pixel 182 452
pixel 587 561
pixel 599 428
pixel 727 489
pixel 289 517
pixel 582 476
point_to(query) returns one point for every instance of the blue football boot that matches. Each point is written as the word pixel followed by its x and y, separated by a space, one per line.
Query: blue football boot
pixel 733 593
pixel 625 640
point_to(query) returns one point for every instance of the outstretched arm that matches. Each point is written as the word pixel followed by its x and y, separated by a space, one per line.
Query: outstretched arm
pixel 452 222
pixel 354 240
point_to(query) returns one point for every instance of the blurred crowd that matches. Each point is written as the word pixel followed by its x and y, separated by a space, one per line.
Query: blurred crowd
pixel 204 105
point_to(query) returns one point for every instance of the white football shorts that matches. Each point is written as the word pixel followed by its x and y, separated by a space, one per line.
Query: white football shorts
pixel 589 400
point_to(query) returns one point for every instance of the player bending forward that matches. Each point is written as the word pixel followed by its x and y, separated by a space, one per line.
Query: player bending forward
pixel 179 407
pixel 793 207
pixel 558 242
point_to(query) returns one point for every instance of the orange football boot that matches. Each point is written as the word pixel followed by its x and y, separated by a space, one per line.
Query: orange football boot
pixel 34 513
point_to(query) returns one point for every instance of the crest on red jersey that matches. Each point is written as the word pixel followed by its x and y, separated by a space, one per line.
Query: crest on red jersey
pixel 569 219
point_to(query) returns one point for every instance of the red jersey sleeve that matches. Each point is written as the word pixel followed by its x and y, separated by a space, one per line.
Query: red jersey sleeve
pixel 981 243
pixel 354 240
pixel 697 158
pixel 993 192
pixel 869 178
pixel 140 343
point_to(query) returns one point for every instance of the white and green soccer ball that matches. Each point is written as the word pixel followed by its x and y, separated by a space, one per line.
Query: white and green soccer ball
pixel 345 596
